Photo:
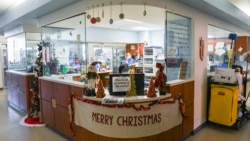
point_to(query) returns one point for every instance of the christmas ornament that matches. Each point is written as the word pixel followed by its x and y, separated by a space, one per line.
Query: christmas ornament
pixel 111 20
pixel 103 10
pixel 121 16
pixel 88 16
pixel 144 12
pixel 98 19
pixel 93 19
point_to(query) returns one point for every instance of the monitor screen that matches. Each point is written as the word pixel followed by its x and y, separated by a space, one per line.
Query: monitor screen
pixel 120 83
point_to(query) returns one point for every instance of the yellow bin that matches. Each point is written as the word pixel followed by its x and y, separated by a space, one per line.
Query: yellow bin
pixel 223 104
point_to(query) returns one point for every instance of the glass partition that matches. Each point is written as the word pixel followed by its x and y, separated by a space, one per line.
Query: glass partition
pixel 64 49
pixel 22 50
pixel 178 47
pixel 217 49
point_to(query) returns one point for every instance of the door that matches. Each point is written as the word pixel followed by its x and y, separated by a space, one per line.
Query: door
pixel 3 64
pixel 118 59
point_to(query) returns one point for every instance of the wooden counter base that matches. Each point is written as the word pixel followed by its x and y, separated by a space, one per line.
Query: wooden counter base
pixel 174 134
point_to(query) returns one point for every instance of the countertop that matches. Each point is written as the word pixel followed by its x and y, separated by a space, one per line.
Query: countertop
pixel 64 81
pixel 20 72
pixel 178 81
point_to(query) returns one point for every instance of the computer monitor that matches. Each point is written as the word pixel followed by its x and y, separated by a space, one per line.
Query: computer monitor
pixel 119 84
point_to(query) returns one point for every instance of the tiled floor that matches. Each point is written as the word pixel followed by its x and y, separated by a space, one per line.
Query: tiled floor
pixel 11 130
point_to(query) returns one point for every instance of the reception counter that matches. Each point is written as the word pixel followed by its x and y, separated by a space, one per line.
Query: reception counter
pixel 91 119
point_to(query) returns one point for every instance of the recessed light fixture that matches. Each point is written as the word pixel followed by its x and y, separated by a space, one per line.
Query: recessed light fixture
pixel 141 28
pixel 210 36
pixel 134 21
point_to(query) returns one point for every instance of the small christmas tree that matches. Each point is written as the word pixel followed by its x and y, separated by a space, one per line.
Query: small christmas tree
pixel 151 89
pixel 34 109
pixel 100 90
pixel 132 90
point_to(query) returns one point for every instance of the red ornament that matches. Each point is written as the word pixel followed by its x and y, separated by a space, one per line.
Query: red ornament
pixel 93 20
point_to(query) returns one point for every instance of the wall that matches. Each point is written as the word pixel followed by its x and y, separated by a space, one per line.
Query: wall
pixel 200 22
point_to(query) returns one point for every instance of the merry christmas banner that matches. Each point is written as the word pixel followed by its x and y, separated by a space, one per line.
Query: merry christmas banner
pixel 127 121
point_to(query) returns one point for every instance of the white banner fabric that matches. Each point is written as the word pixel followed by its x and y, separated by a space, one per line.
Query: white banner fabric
pixel 126 122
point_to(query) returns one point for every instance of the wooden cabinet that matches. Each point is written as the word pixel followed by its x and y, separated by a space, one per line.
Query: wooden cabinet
pixel 242 44
pixel 77 91
pixel 186 90
pixel 54 102
pixel 18 85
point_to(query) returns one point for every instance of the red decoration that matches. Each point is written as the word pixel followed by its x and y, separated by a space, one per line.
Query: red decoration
pixel 93 20
pixel 151 89
pixel 31 120
pixel 100 90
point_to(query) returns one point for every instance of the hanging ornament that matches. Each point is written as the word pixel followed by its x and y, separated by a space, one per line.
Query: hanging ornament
pixel 111 20
pixel 88 16
pixel 103 10
pixel 144 12
pixel 93 19
pixel 98 19
pixel 121 16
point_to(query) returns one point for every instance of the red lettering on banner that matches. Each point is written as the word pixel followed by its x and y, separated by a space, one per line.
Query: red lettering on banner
pixel 102 119
pixel 138 120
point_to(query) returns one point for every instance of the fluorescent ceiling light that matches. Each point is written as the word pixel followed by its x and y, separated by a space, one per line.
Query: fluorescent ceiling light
pixel 18 2
pixel 210 36
pixel 11 2
pixel 243 5
pixel 245 9
pixel 141 28
pixel 134 21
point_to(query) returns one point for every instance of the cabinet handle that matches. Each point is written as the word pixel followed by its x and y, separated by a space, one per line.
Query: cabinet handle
pixel 53 102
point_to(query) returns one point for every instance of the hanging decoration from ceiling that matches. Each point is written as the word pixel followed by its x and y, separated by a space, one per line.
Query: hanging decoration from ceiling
pixel 88 15
pixel 98 19
pixel 121 16
pixel 144 12
pixel 103 10
pixel 111 20
pixel 93 19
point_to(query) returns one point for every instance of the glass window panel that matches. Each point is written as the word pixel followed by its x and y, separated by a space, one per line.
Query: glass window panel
pixel 178 45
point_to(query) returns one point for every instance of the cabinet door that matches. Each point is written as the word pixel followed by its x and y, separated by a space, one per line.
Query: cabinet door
pixel 48 115
pixel 188 93
pixel 61 94
pixel 15 97
pixel 9 86
pixel 241 42
pixel 46 90
pixel 78 91
pixel 22 100
pixel 14 80
pixel 62 120
pixel 21 80
pixel 188 122
pixel 188 98
pixel 176 90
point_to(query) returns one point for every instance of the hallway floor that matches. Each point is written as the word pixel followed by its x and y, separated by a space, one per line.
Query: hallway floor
pixel 11 130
